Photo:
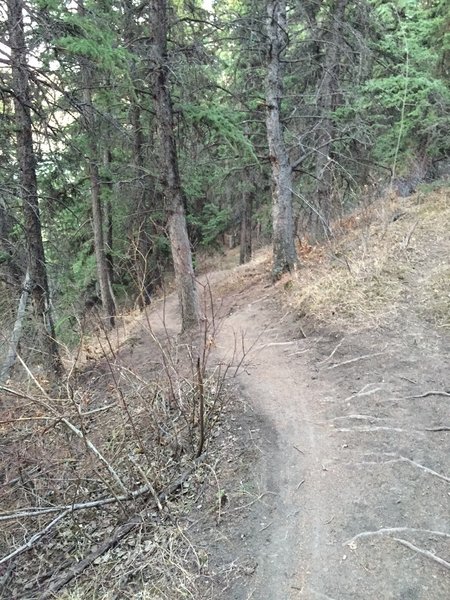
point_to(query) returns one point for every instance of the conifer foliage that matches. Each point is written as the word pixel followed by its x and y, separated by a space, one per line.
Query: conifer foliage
pixel 134 135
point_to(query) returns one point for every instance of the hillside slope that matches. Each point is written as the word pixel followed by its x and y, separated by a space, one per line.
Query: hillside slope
pixel 327 472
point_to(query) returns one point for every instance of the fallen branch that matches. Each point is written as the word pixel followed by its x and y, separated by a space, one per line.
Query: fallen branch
pixel 395 458
pixel 161 498
pixel 78 567
pixel 376 428
pixel 363 392
pixel 353 360
pixel 391 530
pixel 35 511
pixel 425 553
pixel 430 393
pixel 67 423
pixel 34 538
pixel 426 469
pixel 332 354
pixel 437 428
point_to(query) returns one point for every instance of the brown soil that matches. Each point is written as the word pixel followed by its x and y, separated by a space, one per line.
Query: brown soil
pixel 331 474
pixel 352 463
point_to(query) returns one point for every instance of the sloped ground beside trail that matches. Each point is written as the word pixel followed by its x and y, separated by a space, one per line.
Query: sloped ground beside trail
pixel 354 483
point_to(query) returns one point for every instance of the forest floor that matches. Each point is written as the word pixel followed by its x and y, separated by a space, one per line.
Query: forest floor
pixel 328 473
pixel 352 481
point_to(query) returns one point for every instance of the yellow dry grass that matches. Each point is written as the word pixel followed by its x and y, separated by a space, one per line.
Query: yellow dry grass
pixel 390 256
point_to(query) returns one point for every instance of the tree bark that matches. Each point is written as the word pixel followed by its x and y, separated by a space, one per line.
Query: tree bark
pixel 37 266
pixel 17 330
pixel 103 274
pixel 174 196
pixel 245 250
pixel 107 160
pixel 284 251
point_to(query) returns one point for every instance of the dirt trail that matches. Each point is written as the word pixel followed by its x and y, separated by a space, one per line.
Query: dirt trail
pixel 350 465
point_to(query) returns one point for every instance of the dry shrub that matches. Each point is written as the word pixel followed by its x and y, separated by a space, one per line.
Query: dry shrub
pixel 144 407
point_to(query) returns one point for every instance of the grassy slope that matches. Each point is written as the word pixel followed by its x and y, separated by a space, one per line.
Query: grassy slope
pixel 391 255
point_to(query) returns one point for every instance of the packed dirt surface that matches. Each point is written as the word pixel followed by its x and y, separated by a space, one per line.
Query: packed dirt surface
pixel 353 481
pixel 327 474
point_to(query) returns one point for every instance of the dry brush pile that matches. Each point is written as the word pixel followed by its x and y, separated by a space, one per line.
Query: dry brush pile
pixel 96 479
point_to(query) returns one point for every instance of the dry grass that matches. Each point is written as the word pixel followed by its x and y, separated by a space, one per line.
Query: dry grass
pixel 390 256
pixel 140 408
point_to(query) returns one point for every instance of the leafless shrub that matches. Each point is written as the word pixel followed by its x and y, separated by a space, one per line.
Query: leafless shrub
pixel 125 439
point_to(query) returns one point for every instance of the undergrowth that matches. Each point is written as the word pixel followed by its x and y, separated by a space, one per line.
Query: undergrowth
pixel 390 256
pixel 126 444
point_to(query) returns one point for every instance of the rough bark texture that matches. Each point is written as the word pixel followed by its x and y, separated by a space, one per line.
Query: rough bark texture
pixel 26 159
pixel 99 239
pixel 284 252
pixel 174 197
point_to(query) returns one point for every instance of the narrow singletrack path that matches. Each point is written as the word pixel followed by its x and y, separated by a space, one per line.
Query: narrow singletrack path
pixel 356 473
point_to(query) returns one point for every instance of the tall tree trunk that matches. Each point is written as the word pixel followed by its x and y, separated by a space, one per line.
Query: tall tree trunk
pixel 17 330
pixel 37 266
pixel 174 196
pixel 284 252
pixel 104 281
pixel 327 102
pixel 107 159
pixel 245 250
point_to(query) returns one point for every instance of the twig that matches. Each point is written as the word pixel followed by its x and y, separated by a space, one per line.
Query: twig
pixel 390 530
pixel 376 428
pixel 426 469
pixel 82 565
pixel 147 481
pixel 353 360
pixel 332 354
pixel 201 404
pixel 36 511
pixel 67 423
pixel 395 458
pixel 430 393
pixel 425 553
pixel 298 450
pixel 34 538
pixel 363 392
pixel 437 428
pixel 78 567
pixel 408 237
pixel 20 419
pixel 98 410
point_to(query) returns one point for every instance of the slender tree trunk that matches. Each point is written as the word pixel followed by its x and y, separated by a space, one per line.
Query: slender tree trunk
pixel 327 102
pixel 174 196
pixel 147 255
pixel 17 330
pixel 245 251
pixel 37 266
pixel 284 252
pixel 104 281
pixel 107 159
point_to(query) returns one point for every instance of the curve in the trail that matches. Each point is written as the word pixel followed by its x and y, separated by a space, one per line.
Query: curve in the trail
pixel 327 473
